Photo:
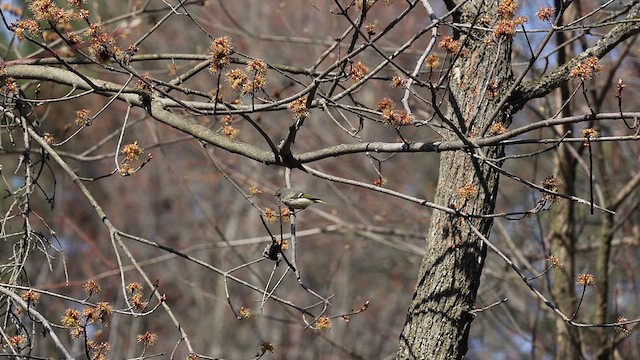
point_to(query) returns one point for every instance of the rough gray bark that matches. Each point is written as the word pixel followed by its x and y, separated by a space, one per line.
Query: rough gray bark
pixel 563 246
pixel 563 241
pixel 438 321
pixel 602 340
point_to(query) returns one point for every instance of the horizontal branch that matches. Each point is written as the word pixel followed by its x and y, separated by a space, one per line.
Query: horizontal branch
pixel 502 139
pixel 200 132
pixel 157 107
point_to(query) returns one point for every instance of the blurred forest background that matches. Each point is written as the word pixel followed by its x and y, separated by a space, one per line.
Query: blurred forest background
pixel 364 247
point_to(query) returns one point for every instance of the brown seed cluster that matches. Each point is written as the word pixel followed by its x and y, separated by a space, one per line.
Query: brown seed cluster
pixel 358 71
pixel 497 129
pixel 506 21
pixel 91 287
pixel 236 79
pixel 31 296
pixel 432 61
pixel 545 13
pixel 230 132
pixel 551 183
pixel 299 109
pixel 239 81
pixel 267 346
pixel 98 350
pixel 589 133
pixel 285 214
pixel 453 46
pixel 132 151
pixel 147 339
pixel 48 10
pixel 82 117
pixel 48 138
pixel 467 191
pixel 506 28
pixel 507 8
pixel 26 27
pixel 398 82
pixel 244 312
pixel 101 44
pixel 136 298
pixel 587 69
pixel 392 116
pixel 323 323
pixel 555 262
pixel 17 340
pixel 623 329
pixel 254 190
pixel 270 215
pixel 371 29
pixel 220 51
pixel 585 279
pixel 144 83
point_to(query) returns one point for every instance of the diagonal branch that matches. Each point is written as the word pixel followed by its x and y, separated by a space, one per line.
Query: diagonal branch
pixel 543 85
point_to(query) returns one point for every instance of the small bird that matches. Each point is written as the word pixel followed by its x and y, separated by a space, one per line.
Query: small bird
pixel 296 199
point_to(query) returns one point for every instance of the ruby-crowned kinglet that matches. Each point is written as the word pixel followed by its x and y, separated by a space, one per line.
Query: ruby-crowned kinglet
pixel 296 199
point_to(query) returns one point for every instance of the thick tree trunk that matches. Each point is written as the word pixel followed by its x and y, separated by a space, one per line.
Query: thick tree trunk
pixel 563 227
pixel 438 320
pixel 563 247
pixel 602 337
